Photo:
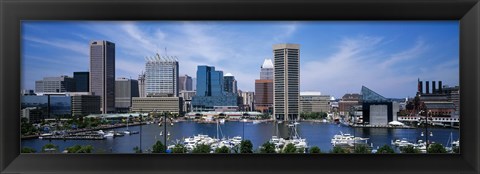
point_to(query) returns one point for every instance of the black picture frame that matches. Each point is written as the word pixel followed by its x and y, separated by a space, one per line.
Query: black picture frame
pixel 14 11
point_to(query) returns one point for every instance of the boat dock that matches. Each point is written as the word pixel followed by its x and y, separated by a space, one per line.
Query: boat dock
pixel 74 137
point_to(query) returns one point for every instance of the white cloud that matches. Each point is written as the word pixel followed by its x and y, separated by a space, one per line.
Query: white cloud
pixel 358 61
pixel 77 47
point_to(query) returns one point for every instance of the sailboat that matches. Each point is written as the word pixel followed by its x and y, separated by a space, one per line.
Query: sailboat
pixel 451 145
pixel 127 132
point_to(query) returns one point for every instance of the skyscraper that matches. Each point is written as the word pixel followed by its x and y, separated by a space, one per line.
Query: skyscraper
pixel 286 81
pixel 263 95
pixel 266 70
pixel 185 83
pixel 161 76
pixel 230 84
pixel 81 81
pixel 141 85
pixel 125 89
pixel 210 90
pixel 102 73
pixel 264 87
pixel 209 81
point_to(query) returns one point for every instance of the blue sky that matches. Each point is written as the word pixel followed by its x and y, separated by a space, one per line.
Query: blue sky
pixel 335 57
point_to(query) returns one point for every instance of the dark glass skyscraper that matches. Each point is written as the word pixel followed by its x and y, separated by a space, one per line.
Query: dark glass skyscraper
pixel 210 90
pixel 230 83
pixel 102 73
pixel 81 81
pixel 209 81
pixel 125 89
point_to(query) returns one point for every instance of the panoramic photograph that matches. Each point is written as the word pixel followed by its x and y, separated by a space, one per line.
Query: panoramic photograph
pixel 240 87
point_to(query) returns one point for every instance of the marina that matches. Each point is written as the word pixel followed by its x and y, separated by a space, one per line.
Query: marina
pixel 315 133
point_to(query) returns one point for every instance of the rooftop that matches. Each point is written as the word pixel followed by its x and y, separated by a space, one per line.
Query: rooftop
pixel 267 63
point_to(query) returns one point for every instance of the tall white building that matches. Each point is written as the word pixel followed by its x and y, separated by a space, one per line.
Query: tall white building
pixel 161 76
pixel 266 71
pixel 286 81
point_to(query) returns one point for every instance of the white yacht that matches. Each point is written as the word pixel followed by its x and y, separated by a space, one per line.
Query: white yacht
pixel 347 139
pixel 109 134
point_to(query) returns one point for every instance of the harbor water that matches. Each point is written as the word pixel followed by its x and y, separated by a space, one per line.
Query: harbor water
pixel 316 134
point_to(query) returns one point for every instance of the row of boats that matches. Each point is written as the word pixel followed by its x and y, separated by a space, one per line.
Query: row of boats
pixel 89 135
pixel 111 134
pixel 191 143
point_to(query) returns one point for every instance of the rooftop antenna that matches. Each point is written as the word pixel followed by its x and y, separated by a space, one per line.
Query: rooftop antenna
pixel 166 51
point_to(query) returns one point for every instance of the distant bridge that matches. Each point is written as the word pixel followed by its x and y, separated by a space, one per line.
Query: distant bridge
pixel 431 119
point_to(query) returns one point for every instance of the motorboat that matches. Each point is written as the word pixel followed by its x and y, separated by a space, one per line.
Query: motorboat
pixel 109 134
pixel 402 143
pixel 347 139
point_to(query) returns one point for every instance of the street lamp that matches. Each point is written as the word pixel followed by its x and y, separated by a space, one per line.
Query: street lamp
pixel 165 128
pixel 426 128
pixel 141 120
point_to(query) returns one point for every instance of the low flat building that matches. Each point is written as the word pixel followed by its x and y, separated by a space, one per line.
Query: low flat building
pixel 83 105
pixel 314 102
pixel 158 104
pixel 32 114
pixel 348 102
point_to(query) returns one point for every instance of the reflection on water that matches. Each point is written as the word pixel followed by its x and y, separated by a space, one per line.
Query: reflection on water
pixel 317 134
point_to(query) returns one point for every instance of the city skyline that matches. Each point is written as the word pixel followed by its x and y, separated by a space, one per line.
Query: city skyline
pixel 336 57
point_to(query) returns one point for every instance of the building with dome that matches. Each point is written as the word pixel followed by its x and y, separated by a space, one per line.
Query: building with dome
pixel 264 88
pixel 266 70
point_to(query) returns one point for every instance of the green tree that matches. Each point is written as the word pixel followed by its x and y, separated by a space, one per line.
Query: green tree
pixel 158 147
pixel 315 149
pixel 409 149
pixel 80 149
pixel 136 149
pixel 267 148
pixel 201 148
pixel 385 149
pixel 73 149
pixel 301 150
pixel 290 148
pixel 362 149
pixel 436 148
pixel 179 148
pixel 28 150
pixel 223 149
pixel 246 146
pixel 27 128
pixel 86 149
pixel 338 149
pixel 50 148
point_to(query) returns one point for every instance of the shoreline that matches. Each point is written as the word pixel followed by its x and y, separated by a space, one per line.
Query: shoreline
pixel 86 130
